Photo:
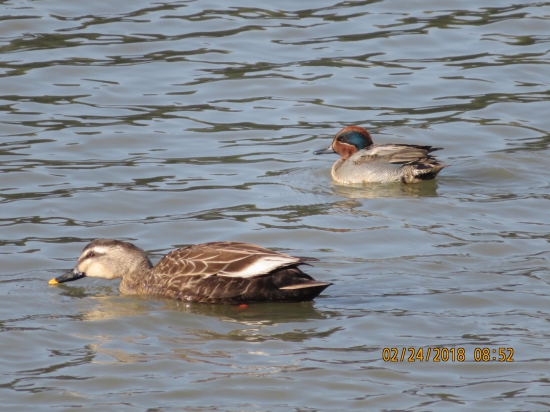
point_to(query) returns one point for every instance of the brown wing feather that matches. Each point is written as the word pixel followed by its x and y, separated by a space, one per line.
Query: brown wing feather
pixel 225 259
pixel 412 154
pixel 398 154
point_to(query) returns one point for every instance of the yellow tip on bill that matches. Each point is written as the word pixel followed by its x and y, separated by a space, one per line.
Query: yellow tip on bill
pixel 53 282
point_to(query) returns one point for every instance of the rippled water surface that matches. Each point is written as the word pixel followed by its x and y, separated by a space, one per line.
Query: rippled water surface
pixel 174 123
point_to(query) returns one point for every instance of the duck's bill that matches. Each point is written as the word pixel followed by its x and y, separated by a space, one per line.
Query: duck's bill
pixel 328 150
pixel 74 274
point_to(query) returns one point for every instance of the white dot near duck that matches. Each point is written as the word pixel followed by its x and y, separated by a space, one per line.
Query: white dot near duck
pixel 362 161
pixel 215 272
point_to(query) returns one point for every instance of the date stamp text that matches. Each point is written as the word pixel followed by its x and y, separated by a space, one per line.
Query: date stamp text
pixel 438 354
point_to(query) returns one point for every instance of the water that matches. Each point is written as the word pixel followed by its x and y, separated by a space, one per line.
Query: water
pixel 174 123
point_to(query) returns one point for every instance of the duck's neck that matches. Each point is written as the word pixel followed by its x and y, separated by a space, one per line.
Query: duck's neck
pixel 134 277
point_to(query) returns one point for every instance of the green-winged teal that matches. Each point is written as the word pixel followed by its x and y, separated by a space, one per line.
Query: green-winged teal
pixel 363 161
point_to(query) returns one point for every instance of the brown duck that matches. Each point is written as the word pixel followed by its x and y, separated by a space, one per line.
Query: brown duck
pixel 216 272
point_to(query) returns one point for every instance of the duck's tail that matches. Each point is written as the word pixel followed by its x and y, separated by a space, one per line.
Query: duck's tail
pixel 306 291
pixel 428 170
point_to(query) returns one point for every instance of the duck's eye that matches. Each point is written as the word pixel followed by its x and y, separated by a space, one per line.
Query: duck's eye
pixel 90 255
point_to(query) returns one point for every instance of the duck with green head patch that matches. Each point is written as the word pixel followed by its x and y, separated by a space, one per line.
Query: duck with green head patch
pixel 362 161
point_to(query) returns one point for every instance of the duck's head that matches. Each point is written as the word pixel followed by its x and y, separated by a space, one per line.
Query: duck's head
pixel 108 259
pixel 348 141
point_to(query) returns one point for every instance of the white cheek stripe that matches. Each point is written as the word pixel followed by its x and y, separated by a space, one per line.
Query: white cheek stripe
pixel 99 249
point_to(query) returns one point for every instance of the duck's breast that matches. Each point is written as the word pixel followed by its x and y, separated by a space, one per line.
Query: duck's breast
pixel 365 168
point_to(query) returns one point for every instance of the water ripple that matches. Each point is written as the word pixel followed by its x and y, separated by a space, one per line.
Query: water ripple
pixel 168 124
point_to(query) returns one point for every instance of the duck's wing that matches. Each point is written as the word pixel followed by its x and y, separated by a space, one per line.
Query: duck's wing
pixel 396 153
pixel 231 259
